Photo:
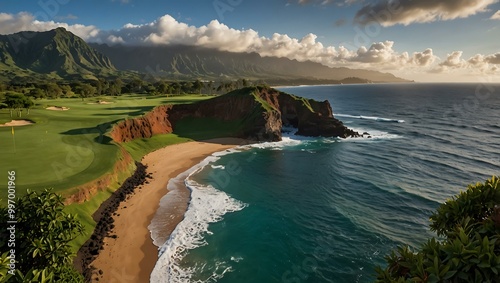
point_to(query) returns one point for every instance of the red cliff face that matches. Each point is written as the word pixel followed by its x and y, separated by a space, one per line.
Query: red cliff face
pixel 262 112
pixel 153 123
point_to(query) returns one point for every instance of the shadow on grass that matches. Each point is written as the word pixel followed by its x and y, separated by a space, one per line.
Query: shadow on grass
pixel 131 108
pixel 100 130
pixel 125 114
pixel 127 111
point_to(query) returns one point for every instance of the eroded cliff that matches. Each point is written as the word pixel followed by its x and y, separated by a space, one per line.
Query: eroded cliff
pixel 260 113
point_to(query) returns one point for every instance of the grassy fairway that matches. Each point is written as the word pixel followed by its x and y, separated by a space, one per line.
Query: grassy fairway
pixel 65 149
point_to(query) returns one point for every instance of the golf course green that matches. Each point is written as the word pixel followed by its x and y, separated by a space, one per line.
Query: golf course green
pixel 65 149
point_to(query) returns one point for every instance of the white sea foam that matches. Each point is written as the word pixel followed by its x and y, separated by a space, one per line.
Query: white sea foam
pixel 373 135
pixel 236 258
pixel 218 167
pixel 288 139
pixel 373 118
pixel 172 199
pixel 207 205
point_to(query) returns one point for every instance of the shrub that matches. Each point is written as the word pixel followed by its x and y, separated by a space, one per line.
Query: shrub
pixel 42 235
pixel 468 249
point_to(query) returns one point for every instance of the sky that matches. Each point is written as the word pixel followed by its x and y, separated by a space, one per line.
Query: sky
pixel 421 40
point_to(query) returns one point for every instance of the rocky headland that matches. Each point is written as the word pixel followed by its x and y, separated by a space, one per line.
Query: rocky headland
pixel 261 112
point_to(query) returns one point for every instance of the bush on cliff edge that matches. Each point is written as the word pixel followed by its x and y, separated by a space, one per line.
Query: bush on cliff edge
pixel 468 249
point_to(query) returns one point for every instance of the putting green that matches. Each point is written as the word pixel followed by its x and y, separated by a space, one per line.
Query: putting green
pixel 65 149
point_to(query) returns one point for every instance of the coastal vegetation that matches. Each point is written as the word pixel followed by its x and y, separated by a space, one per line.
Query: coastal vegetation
pixel 40 249
pixel 467 248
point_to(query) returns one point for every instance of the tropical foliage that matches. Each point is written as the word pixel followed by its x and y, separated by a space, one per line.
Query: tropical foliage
pixel 42 236
pixel 468 248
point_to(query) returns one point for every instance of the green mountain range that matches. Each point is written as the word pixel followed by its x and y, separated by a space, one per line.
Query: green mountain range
pixel 184 62
pixel 55 54
pixel 59 54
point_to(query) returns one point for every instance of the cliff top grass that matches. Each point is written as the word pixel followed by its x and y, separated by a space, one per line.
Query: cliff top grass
pixel 256 90
pixel 65 149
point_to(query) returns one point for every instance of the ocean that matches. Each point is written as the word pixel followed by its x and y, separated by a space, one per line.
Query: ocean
pixel 329 210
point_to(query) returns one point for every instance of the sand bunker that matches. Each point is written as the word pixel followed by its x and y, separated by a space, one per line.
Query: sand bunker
pixel 17 123
pixel 57 108
pixel 101 102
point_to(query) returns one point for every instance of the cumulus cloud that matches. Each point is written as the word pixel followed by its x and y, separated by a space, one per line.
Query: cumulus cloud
pixel 10 23
pixel 383 55
pixel 454 60
pixel 496 16
pixel 425 58
pixel 168 31
pixel 389 12
pixel 479 63
pixel 493 58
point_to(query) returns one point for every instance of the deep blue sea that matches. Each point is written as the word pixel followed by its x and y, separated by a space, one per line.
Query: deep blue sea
pixel 329 210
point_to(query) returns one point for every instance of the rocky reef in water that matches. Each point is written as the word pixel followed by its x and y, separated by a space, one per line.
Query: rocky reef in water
pixel 261 112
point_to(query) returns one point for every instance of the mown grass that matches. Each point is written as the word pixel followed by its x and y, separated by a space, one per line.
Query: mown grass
pixel 65 149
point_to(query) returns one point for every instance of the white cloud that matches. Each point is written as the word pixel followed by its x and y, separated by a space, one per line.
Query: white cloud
pixel 496 16
pixel 493 58
pixel 389 13
pixel 425 58
pixel 167 30
pixel 23 21
pixel 454 60
pixel 477 64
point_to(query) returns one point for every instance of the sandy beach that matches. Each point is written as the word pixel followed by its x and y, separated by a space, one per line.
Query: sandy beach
pixel 131 256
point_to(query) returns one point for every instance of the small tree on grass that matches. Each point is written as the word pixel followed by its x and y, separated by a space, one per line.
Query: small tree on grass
pixel 43 234
pixel 469 251
pixel 17 101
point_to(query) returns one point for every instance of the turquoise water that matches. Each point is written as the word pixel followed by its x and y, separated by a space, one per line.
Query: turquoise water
pixel 329 210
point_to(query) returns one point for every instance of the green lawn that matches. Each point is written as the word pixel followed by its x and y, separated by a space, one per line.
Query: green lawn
pixel 65 149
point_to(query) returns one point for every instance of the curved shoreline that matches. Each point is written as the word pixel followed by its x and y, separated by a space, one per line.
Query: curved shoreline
pixel 128 253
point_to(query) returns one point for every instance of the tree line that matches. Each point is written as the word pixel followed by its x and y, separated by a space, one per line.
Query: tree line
pixel 116 87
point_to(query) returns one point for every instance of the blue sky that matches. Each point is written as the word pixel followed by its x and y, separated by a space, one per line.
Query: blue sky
pixel 397 41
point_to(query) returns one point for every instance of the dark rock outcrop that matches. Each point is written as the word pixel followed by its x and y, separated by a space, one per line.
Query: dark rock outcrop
pixel 261 111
